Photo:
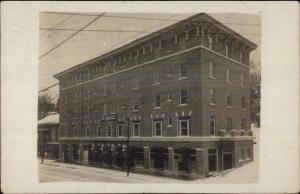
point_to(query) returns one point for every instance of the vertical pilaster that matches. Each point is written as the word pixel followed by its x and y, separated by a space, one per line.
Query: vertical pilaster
pixel 146 157
pixel 202 162
pixel 61 153
pixel 171 159
pixel 70 153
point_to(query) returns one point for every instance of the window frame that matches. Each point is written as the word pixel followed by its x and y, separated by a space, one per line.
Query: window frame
pixel 212 94
pixel 157 101
pixel 228 124
pixel 111 131
pixel 228 99
pixel 156 80
pixel 118 130
pixel 212 72
pixel 155 129
pixel 227 78
pixel 183 97
pixel 181 74
pixel 214 120
pixel 133 129
pixel 134 104
pixel 180 121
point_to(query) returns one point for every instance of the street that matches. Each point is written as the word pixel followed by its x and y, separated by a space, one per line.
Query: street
pixel 52 171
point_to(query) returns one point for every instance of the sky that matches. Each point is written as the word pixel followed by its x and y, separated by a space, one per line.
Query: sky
pixel 88 44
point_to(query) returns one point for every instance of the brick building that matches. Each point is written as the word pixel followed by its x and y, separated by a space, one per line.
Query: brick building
pixel 182 93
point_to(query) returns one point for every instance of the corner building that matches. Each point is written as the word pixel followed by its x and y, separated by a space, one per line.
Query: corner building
pixel 182 94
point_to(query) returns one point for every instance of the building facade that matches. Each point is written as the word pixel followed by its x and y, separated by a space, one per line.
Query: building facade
pixel 48 136
pixel 181 95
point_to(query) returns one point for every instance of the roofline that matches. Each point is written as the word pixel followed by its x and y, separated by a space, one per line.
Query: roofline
pixel 155 34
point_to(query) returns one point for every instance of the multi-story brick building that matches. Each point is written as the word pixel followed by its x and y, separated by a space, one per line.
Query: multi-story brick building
pixel 183 93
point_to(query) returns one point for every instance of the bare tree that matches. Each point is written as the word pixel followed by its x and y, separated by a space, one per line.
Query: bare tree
pixel 45 105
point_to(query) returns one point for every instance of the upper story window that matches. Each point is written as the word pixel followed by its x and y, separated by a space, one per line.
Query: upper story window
pixel 226 48
pixel 243 124
pixel 169 73
pixel 157 101
pixel 212 97
pixel 99 130
pixel 155 77
pixel 183 97
pixel 109 131
pixel 169 96
pixel 157 125
pixel 134 84
pixel 228 99
pixel 212 125
pixel 242 81
pixel 229 124
pixel 75 132
pixel 210 41
pixel 135 106
pixel 183 127
pixel 182 72
pixel 243 102
pixel 135 128
pixel 170 122
pixel 212 70
pixel 227 76
pixel 87 131
pixel 120 130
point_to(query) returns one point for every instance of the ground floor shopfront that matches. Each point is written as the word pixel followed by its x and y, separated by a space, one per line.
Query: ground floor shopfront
pixel 182 158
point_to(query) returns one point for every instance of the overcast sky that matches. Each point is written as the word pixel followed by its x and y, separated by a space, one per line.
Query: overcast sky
pixel 88 44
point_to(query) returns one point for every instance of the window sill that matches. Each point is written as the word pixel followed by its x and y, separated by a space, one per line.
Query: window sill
pixel 229 107
pixel 243 109
pixel 169 100
pixel 155 84
pixel 169 126
pixel 241 160
pixel 135 111
pixel 247 159
pixel 134 88
pixel 182 78
pixel 156 108
pixel 182 104
pixel 212 104
pixel 228 82
pixel 210 77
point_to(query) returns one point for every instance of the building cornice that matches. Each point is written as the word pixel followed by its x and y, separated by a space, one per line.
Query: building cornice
pixel 146 39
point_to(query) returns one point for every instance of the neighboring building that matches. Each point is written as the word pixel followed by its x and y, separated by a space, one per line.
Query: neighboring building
pixel 48 136
pixel 184 92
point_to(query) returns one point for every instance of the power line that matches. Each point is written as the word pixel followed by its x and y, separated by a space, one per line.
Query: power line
pixel 143 18
pixel 124 31
pixel 47 88
pixel 64 41
pixel 61 22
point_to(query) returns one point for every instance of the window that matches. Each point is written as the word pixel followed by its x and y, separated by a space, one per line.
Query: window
pixel 169 96
pixel 87 131
pixel 169 72
pixel 157 101
pixel 184 127
pixel 155 78
pixel 136 129
pixel 243 102
pixel 243 124
pixel 75 132
pixel 120 130
pixel 182 72
pixel 109 131
pixel 229 124
pixel 227 76
pixel 169 122
pixel 212 96
pixel 248 153
pixel 210 42
pixel 104 90
pixel 228 99
pixel 104 108
pixel 212 70
pixel 242 81
pixel 212 125
pixel 99 130
pixel 134 84
pixel 157 128
pixel 135 106
pixel 183 97
pixel 226 48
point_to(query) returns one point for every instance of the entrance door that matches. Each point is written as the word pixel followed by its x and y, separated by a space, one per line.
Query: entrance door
pixel 227 160
pixel 212 160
